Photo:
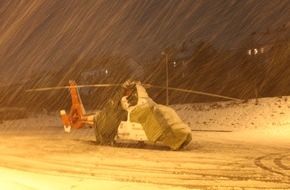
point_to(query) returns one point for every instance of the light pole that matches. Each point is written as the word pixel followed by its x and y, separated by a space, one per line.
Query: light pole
pixel 166 62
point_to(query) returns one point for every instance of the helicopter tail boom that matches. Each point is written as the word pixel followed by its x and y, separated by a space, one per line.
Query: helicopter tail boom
pixel 77 117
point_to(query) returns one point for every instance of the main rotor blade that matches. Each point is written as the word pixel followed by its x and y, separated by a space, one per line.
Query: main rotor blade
pixel 192 91
pixel 145 85
pixel 68 87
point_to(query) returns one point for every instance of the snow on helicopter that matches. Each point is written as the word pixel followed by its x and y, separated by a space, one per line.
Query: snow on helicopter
pixel 129 115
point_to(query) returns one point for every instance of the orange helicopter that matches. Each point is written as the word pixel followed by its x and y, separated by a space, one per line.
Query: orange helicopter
pixel 130 114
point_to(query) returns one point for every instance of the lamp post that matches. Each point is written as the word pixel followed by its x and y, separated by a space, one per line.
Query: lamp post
pixel 166 62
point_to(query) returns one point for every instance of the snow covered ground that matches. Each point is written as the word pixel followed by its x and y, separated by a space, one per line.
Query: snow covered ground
pixel 236 145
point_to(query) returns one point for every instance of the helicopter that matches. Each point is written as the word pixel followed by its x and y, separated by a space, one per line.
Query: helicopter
pixel 129 115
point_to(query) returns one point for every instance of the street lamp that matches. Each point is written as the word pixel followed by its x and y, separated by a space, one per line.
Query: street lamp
pixel 166 62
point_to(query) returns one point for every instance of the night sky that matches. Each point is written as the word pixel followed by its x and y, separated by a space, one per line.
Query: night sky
pixel 40 37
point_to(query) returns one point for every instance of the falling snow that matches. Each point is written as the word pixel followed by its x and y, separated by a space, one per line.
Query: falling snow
pixel 233 57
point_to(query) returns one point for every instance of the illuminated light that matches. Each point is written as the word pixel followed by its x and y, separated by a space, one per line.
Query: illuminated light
pixel 255 51
pixel 106 71
pixel 250 52
pixel 174 64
